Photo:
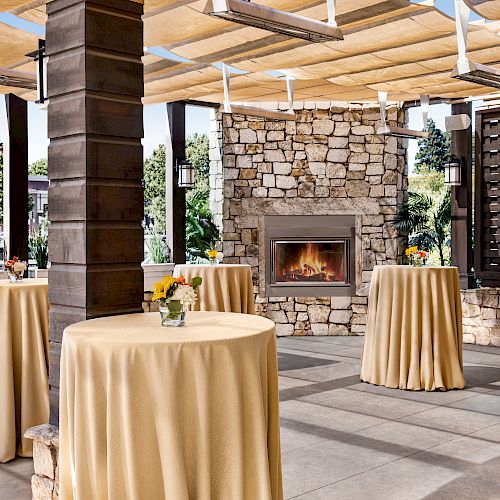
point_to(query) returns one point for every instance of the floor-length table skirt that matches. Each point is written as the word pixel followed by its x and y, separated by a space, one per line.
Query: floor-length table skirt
pixel 24 359
pixel 152 413
pixel 225 288
pixel 413 338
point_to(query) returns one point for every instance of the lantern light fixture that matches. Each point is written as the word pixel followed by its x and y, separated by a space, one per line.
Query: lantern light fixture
pixel 453 172
pixel 185 174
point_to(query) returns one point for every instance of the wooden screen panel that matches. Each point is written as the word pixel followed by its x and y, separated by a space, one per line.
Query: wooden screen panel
pixel 487 221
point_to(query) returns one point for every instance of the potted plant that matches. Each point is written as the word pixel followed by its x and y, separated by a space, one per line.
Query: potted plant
pixel 158 261
pixel 39 248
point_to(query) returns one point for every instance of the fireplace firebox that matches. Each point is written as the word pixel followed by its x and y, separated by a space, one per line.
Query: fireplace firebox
pixel 309 255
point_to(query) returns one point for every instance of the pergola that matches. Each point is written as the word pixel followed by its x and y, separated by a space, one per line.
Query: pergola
pixel 99 78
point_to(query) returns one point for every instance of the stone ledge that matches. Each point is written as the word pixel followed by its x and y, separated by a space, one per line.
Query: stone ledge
pixel 481 316
pixel 45 481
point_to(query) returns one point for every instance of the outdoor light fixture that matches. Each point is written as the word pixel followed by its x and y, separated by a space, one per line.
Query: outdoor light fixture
pixel 453 172
pixel 465 69
pixel 18 79
pixel 404 133
pixel 41 71
pixel 457 122
pixel 259 112
pixel 278 21
pixel 185 174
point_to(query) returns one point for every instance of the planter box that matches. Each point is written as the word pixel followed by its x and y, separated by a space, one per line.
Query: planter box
pixel 155 272
pixel 41 273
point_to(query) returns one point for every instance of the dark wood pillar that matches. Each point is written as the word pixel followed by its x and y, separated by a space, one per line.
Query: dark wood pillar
pixel 95 125
pixel 176 112
pixel 461 201
pixel 16 177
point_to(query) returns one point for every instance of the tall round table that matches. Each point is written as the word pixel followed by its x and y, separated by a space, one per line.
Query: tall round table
pixel 148 412
pixel 24 360
pixel 413 338
pixel 225 288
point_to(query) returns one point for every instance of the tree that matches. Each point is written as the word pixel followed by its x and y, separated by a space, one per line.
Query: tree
pixel 38 167
pixel 434 151
pixel 197 147
pixel 154 187
pixel 425 223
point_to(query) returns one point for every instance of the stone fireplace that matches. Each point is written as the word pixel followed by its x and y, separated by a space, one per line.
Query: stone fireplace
pixel 308 204
pixel 309 256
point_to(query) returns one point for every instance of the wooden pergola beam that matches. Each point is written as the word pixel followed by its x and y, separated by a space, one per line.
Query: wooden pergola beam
pixel 461 201
pixel 176 196
pixel 16 177
pixel 96 198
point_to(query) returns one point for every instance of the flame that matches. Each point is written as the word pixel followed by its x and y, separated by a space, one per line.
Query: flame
pixel 311 262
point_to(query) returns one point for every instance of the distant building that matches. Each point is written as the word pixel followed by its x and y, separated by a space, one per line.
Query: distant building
pixel 38 188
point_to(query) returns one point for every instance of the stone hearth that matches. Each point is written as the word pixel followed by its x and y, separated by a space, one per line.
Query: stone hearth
pixel 328 162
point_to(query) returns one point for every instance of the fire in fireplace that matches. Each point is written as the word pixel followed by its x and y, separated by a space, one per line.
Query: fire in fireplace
pixel 309 256
pixel 312 262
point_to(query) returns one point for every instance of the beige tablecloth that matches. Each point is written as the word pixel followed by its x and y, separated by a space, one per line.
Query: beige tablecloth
pixel 225 288
pixel 413 338
pixel 153 413
pixel 24 361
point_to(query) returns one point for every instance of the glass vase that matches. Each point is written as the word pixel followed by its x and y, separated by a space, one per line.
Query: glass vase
pixel 172 313
pixel 16 277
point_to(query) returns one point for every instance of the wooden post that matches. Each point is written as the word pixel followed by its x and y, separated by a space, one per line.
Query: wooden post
pixel 176 196
pixel 15 153
pixel 461 201
pixel 96 200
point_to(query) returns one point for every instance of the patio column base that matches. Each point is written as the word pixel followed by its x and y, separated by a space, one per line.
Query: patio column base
pixel 45 481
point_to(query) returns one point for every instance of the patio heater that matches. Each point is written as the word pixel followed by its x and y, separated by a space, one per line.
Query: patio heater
pixel 185 174
pixel 270 114
pixel 453 172
pixel 278 21
pixel 404 133
pixel 468 70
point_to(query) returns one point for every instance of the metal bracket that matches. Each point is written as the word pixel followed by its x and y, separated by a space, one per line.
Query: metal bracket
pixel 462 15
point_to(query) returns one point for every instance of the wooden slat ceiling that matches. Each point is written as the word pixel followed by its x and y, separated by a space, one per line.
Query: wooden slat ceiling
pixel 398 46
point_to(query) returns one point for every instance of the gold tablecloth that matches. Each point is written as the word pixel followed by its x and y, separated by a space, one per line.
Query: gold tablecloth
pixel 413 337
pixel 225 288
pixel 24 361
pixel 153 413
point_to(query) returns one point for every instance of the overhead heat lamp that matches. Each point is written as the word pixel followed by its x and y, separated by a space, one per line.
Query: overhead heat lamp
pixel 278 21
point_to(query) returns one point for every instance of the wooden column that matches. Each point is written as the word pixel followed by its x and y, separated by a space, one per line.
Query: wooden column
pixel 176 117
pixel 461 201
pixel 95 125
pixel 15 154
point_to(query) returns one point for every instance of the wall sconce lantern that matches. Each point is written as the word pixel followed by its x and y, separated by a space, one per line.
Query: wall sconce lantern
pixel 453 172
pixel 185 174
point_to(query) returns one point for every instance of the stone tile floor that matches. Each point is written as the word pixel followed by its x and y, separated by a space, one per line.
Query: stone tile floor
pixel 342 439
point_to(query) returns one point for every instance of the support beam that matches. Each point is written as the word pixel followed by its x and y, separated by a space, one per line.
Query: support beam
pixel 15 154
pixel 176 196
pixel 96 200
pixel 461 201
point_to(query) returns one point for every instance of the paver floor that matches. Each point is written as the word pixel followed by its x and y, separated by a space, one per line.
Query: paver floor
pixel 343 439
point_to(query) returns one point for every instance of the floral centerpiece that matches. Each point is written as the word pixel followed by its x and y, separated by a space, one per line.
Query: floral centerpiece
pixel 416 257
pixel 174 296
pixel 214 256
pixel 15 269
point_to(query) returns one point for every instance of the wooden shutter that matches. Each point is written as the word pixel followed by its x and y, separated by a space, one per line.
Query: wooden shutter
pixel 487 199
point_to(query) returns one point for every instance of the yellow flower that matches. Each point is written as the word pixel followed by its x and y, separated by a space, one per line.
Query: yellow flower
pixel 411 251
pixel 212 253
pixel 158 291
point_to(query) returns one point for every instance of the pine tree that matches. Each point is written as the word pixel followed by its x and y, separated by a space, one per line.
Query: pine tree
pixel 434 151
